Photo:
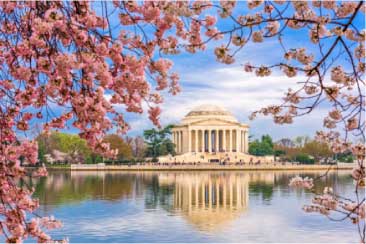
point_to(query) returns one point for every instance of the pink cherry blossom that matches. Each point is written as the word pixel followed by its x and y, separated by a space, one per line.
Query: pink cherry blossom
pixel 257 36
pixel 248 67
pixel 335 114
pixel 289 71
pixel 300 182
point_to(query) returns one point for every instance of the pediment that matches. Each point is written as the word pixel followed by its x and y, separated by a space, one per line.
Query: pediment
pixel 214 122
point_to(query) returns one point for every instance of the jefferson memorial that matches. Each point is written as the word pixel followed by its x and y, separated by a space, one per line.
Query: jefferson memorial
pixel 210 133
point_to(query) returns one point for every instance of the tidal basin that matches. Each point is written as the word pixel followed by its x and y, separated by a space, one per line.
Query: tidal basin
pixel 195 206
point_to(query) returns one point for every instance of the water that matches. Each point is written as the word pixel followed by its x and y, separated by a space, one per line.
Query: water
pixel 176 207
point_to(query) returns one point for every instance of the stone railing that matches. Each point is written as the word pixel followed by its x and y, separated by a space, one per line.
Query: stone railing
pixel 189 167
pixel 100 166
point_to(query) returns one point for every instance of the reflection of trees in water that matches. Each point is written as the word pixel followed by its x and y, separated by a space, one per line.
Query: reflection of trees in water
pixel 264 184
pixel 160 189
pixel 342 177
pixel 338 180
pixel 157 194
pixel 261 189
pixel 63 187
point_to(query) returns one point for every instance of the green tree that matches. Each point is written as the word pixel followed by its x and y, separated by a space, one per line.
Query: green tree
pixel 263 147
pixel 263 189
pixel 345 157
pixel 42 148
pixel 158 142
pixel 278 152
pixel 304 159
pixel 71 144
pixel 267 140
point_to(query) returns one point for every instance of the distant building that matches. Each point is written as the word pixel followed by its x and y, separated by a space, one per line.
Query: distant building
pixel 210 133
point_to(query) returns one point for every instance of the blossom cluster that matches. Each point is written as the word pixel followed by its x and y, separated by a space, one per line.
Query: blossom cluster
pixel 300 182
pixel 328 203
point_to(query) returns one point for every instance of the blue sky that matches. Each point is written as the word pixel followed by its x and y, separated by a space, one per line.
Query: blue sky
pixel 205 81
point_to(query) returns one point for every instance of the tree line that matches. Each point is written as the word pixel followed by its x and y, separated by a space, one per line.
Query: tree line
pixel 61 148
pixel 66 148
pixel 301 149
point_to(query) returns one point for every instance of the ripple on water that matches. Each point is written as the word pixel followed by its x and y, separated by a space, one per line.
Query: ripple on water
pixel 188 207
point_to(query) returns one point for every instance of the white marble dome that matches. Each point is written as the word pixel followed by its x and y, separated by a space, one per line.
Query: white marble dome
pixel 207 111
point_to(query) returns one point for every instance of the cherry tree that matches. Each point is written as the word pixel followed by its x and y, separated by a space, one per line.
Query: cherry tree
pixel 68 64
pixel 332 72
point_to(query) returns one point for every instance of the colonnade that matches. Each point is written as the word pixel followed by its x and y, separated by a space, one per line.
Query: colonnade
pixel 178 140
pixel 211 140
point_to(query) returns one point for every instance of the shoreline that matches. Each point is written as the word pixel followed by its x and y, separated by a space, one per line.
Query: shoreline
pixel 207 167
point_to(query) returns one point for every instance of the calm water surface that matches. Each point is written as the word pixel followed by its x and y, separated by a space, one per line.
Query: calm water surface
pixel 188 207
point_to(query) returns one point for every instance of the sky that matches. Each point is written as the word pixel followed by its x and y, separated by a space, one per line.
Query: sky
pixel 205 81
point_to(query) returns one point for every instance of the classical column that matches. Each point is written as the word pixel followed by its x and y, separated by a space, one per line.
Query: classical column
pixel 237 140
pixel 224 140
pixel 177 141
pixel 246 141
pixel 231 141
pixel 240 140
pixel 209 141
pixel 181 142
pixel 217 137
pixel 203 140
pixel 189 140
pixel 196 140
pixel 243 141
pixel 173 135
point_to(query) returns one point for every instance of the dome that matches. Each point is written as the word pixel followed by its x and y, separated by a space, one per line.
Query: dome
pixel 208 111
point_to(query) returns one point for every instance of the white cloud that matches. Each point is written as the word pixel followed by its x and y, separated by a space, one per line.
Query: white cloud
pixel 239 92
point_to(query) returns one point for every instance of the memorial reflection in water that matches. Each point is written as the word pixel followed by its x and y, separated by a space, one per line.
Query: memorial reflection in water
pixel 208 200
